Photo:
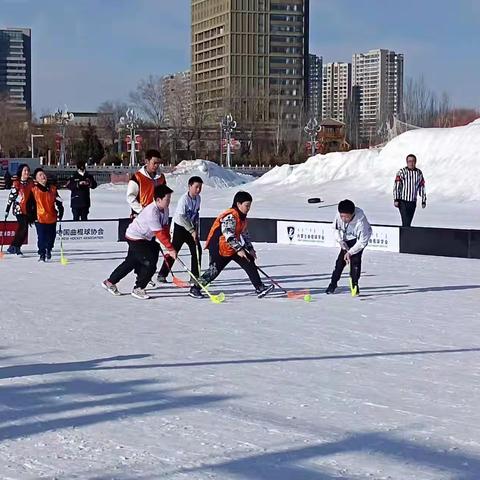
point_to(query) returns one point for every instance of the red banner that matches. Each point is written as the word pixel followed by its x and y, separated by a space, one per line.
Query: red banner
pixel 7 232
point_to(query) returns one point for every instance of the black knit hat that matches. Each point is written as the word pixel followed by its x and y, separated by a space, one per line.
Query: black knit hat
pixel 346 206
pixel 241 197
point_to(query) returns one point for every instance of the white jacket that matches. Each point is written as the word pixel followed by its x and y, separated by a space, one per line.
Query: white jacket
pixel 357 229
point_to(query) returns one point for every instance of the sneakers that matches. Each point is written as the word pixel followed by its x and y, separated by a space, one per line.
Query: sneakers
pixel 195 292
pixel 264 290
pixel 161 279
pixel 49 254
pixel 330 289
pixel 110 287
pixel 140 293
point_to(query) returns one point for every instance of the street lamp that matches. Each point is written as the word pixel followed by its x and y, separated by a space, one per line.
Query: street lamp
pixel 62 119
pixel 228 126
pixel 130 121
pixel 311 129
pixel 32 136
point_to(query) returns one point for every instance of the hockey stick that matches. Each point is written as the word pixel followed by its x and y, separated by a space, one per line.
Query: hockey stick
pixel 63 259
pixel 219 298
pixel 300 294
pixel 3 236
pixel 176 281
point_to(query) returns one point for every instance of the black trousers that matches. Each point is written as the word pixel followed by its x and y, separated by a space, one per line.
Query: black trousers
pixel 142 258
pixel 46 233
pixel 407 211
pixel 181 236
pixel 355 265
pixel 21 232
pixel 80 213
pixel 218 263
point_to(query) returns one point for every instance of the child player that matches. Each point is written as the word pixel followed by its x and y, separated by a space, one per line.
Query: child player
pixel 185 228
pixel 228 240
pixel 352 232
pixel 150 225
pixel 49 208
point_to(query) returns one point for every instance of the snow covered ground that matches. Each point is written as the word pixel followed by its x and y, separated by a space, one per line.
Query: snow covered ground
pixel 384 386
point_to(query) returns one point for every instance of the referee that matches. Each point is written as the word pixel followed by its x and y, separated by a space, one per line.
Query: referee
pixel 409 184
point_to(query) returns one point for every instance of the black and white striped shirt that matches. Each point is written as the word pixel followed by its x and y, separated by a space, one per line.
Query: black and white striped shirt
pixel 408 185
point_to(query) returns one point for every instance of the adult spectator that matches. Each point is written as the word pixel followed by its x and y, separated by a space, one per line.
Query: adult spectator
pixel 80 183
pixel 143 182
pixel 409 184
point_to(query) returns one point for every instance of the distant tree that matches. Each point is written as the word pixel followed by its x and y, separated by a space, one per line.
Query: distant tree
pixel 90 148
pixel 149 99
pixel 109 114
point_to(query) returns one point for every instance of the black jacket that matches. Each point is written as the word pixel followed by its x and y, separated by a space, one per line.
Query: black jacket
pixel 80 197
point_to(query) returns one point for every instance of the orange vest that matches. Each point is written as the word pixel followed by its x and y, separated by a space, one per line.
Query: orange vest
pixel 24 192
pixel 45 200
pixel 225 249
pixel 146 186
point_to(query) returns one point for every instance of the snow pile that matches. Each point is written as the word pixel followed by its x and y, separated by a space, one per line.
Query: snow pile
pixel 448 157
pixel 213 175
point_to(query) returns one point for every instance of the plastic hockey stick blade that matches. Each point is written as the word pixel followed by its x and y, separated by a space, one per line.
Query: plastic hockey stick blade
pixel 63 259
pixel 178 282
pixel 292 294
pixel 215 298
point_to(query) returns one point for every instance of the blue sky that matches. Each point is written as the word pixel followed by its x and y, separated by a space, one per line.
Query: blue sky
pixel 88 51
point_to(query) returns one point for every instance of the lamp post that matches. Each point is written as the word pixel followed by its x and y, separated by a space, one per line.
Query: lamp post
pixel 32 136
pixel 130 121
pixel 311 129
pixel 228 126
pixel 62 119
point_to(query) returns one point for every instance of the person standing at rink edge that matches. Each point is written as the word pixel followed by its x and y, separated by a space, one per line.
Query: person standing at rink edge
pixel 409 184
pixel 80 184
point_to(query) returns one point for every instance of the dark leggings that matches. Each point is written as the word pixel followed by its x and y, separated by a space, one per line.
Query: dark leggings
pixel 407 211
pixel 21 232
pixel 142 257
pixel 218 263
pixel 181 236
pixel 355 265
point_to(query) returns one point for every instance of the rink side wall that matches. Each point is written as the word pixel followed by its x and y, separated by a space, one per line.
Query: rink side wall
pixel 446 242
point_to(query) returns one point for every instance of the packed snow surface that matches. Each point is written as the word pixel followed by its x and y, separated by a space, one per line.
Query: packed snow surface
pixel 384 386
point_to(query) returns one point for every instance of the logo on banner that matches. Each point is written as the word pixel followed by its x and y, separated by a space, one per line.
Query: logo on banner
pixel 291 232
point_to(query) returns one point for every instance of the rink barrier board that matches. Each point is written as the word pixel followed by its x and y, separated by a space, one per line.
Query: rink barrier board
pixel 446 242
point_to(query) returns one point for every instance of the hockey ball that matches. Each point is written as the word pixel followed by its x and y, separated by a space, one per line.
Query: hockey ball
pixel 307 298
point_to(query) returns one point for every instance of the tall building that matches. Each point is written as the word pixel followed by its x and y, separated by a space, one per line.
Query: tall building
pixel 250 58
pixel 177 90
pixel 314 86
pixel 16 68
pixel 337 83
pixel 379 76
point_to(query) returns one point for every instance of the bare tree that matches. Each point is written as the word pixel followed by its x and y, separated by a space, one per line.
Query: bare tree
pixel 109 114
pixel 149 98
pixel 422 106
